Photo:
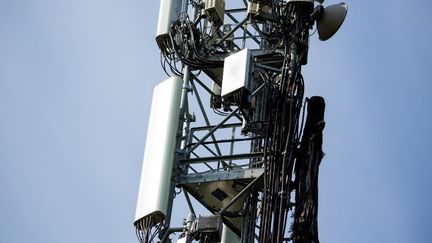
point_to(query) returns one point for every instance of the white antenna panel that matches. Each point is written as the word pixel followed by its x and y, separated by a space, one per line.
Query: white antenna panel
pixel 169 12
pixel 155 184
pixel 236 73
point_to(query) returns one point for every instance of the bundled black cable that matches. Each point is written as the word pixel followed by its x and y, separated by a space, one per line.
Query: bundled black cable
pixel 187 40
pixel 305 226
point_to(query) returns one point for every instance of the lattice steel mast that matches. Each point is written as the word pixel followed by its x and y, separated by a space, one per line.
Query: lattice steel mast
pixel 250 156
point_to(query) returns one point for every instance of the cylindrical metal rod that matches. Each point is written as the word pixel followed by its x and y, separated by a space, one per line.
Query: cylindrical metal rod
pixel 181 140
pixel 184 106
pixel 184 126
pixel 189 203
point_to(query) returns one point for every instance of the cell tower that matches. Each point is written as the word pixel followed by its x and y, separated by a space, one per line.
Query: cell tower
pixel 231 127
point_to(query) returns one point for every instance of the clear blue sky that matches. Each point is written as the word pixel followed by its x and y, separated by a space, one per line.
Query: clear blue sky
pixel 75 86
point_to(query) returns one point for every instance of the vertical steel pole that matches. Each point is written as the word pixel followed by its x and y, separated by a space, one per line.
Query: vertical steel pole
pixel 183 131
pixel 182 137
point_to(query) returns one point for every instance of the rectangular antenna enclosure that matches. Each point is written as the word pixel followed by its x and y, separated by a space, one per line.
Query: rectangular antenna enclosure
pixel 169 12
pixel 237 74
pixel 215 9
pixel 154 190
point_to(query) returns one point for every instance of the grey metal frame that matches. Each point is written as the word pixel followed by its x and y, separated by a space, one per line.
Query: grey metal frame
pixel 187 159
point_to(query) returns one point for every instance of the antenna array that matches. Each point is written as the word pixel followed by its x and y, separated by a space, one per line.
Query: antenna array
pixel 251 155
